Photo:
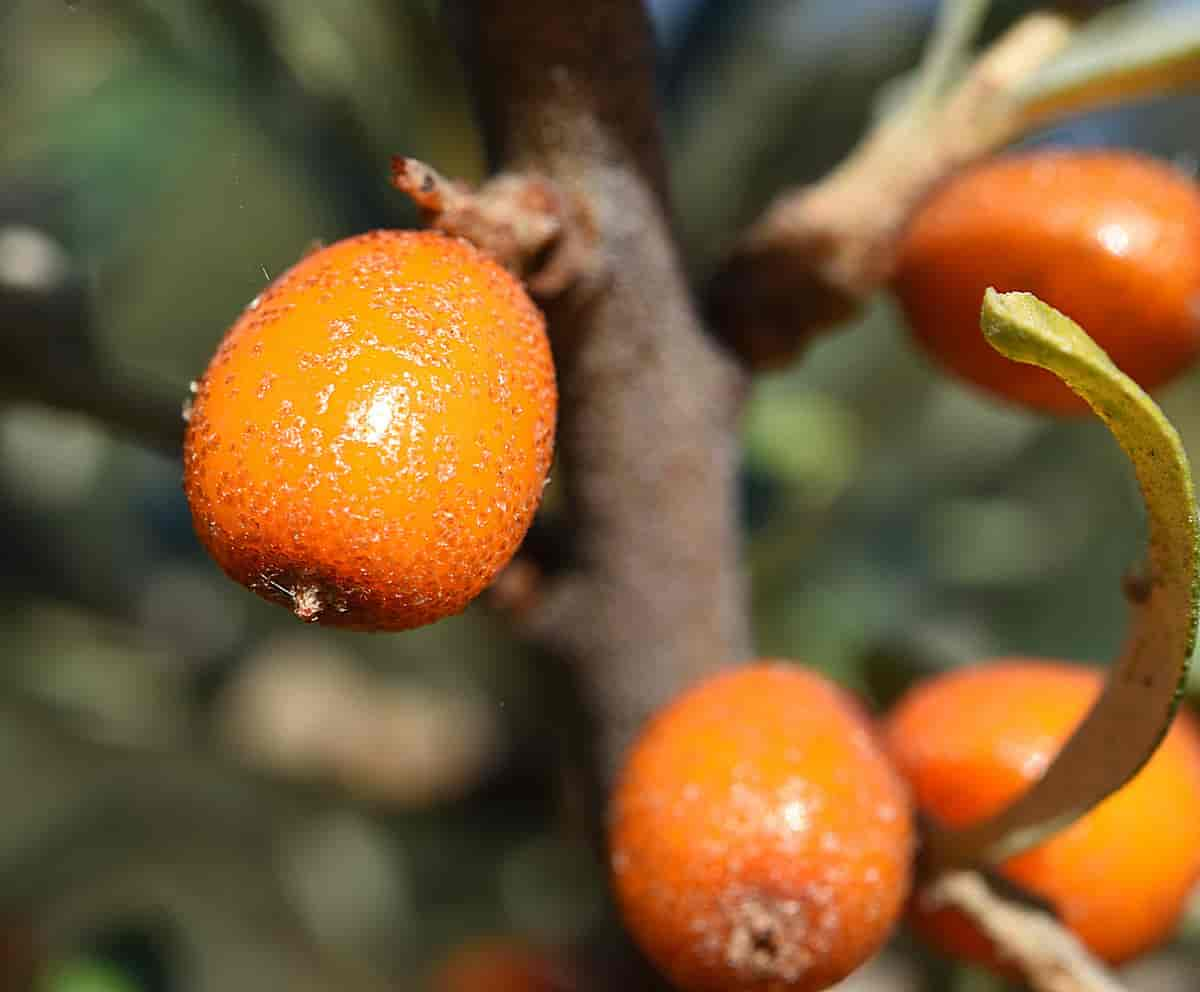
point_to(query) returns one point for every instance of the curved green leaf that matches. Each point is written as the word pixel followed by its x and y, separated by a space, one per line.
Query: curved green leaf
pixel 1134 711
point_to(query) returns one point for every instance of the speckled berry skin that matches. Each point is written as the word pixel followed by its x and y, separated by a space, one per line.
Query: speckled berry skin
pixel 760 840
pixel 972 740
pixel 371 440
pixel 1111 239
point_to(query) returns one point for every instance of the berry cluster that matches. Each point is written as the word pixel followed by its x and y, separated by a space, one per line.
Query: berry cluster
pixel 372 439
pixel 762 829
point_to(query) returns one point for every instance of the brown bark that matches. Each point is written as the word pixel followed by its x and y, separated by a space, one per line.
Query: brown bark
pixel 649 407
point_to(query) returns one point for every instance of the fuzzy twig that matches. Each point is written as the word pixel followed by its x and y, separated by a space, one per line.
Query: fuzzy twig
pixel 522 220
pixel 819 251
pixel 647 440
pixel 1048 957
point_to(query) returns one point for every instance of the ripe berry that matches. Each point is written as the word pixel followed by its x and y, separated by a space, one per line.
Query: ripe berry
pixel 371 440
pixel 971 741
pixel 1111 239
pixel 501 965
pixel 760 839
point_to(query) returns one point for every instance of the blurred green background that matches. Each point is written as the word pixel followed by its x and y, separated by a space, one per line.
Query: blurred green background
pixel 196 792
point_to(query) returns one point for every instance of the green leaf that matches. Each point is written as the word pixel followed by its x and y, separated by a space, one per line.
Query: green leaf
pixel 1134 711
pixel 957 24
pixel 84 975
pixel 1134 51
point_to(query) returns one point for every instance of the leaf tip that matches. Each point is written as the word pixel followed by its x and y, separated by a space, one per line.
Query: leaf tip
pixel 1000 318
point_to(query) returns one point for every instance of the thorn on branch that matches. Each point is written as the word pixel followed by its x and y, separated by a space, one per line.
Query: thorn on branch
pixel 524 221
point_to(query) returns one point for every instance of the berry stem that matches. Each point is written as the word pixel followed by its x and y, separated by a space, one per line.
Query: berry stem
pixel 1046 953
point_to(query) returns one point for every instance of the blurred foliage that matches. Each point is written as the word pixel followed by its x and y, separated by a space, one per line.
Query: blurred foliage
pixel 182 152
pixel 86 976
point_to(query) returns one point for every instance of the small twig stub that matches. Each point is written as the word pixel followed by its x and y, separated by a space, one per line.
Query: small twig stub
pixel 523 220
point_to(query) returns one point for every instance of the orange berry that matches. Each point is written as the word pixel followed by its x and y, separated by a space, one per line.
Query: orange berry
pixel 497 964
pixel 760 839
pixel 371 440
pixel 1112 239
pixel 972 740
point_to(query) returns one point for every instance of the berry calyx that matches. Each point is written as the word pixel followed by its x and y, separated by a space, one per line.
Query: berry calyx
pixel 371 440
pixel 760 839
pixel 1111 239
pixel 972 740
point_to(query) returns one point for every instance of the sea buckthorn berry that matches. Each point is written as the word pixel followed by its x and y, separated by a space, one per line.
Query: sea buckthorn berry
pixel 371 440
pixel 1111 239
pixel 760 839
pixel 971 741
pixel 498 964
